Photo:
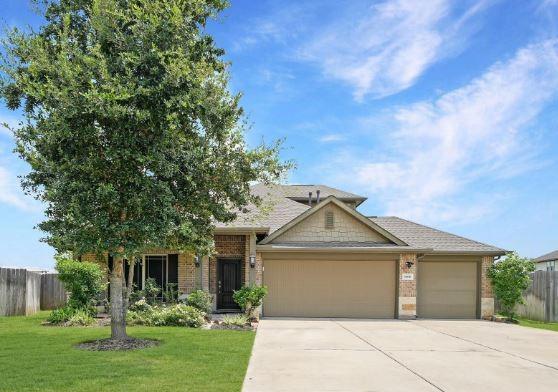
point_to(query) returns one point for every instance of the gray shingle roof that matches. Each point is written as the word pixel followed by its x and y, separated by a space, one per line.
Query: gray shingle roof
pixel 300 192
pixel 421 236
pixel 547 257
pixel 274 212
pixel 278 209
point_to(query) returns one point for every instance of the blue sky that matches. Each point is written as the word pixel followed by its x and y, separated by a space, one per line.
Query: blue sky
pixel 443 112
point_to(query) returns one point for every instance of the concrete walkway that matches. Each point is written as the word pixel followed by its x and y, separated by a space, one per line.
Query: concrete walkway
pixel 392 355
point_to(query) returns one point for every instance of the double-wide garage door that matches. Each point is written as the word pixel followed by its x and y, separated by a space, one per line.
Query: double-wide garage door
pixel 447 289
pixel 330 288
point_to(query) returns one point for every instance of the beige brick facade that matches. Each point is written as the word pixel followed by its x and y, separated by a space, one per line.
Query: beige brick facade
pixel 345 228
pixel 487 296
pixel 242 246
pixel 407 295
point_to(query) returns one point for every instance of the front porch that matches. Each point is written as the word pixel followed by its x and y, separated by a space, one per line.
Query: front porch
pixel 232 266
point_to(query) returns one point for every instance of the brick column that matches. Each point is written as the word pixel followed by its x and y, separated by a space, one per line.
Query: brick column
pixel 204 267
pixel 251 251
pixel 258 270
pixel 407 301
pixel 487 296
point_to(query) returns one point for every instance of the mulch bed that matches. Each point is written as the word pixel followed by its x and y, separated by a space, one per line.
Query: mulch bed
pixel 117 344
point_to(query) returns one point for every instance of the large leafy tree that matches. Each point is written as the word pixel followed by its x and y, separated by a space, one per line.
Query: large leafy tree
pixel 131 132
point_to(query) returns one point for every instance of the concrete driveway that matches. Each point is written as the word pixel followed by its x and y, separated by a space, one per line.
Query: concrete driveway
pixel 392 355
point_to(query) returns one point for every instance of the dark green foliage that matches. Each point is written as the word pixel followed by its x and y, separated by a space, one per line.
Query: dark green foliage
pixel 171 293
pixel 510 277
pixel 249 298
pixel 151 290
pixel 201 300
pixel 132 134
pixel 83 281
pixel 61 315
pixel 70 316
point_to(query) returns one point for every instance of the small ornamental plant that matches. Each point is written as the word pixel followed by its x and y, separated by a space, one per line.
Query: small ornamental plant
pixel 250 298
pixel 510 277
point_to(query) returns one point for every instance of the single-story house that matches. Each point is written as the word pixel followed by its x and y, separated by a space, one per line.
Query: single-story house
pixel 320 257
pixel 547 262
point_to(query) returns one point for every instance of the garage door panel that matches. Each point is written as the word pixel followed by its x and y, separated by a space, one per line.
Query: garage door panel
pixel 326 288
pixel 447 289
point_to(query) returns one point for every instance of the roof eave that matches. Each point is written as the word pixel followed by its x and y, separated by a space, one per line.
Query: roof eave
pixel 241 230
pixel 500 252
pixel 341 249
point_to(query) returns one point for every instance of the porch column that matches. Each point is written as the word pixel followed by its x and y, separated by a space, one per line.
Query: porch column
pixel 252 252
pixel 204 270
pixel 487 296
pixel 407 301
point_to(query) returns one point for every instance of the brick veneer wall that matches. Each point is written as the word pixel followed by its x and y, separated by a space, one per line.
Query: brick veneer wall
pixel 407 296
pixel 228 246
pixel 487 295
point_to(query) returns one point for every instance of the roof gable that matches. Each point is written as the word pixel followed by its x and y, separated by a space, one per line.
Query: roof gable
pixel 349 225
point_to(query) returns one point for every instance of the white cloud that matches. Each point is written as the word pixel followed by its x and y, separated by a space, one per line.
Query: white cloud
pixel 388 46
pixel 11 193
pixel 444 149
pixel 332 137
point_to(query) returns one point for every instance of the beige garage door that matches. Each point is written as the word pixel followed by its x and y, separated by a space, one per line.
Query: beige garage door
pixel 328 288
pixel 447 289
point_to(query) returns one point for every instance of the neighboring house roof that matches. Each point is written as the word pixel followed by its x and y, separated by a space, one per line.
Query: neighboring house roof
pixel 422 236
pixel 547 257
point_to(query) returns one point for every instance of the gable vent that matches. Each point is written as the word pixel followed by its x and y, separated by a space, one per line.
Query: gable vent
pixel 329 220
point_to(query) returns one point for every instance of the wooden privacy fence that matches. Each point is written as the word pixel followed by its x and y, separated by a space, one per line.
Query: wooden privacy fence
pixel 25 292
pixel 53 294
pixel 541 298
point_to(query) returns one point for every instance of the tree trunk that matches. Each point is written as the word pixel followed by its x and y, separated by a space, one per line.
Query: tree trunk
pixel 117 319
pixel 129 287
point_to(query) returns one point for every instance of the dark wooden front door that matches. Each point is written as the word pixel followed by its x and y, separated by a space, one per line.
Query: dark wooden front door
pixel 228 280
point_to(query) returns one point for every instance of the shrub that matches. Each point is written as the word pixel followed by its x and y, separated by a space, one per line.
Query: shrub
pixel 140 306
pixel 174 315
pixel 510 277
pixel 60 315
pixel 151 290
pixel 83 281
pixel 200 300
pixel 80 318
pixel 183 315
pixel 171 293
pixel 250 298
pixel 71 316
pixel 239 320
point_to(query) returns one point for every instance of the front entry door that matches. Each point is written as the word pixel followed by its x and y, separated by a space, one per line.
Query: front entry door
pixel 228 280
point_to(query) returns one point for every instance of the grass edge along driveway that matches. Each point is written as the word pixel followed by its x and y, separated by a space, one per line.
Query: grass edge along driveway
pixel 537 324
pixel 40 358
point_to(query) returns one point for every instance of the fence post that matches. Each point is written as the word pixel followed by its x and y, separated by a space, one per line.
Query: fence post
pixel 547 298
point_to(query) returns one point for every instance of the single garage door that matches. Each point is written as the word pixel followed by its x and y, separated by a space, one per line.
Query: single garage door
pixel 447 289
pixel 330 288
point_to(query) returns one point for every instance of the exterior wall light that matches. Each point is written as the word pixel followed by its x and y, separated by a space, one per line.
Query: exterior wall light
pixel 252 261
pixel 197 261
pixel 409 264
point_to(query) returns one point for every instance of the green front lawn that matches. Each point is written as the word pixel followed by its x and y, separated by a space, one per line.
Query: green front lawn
pixel 38 358
pixel 538 324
